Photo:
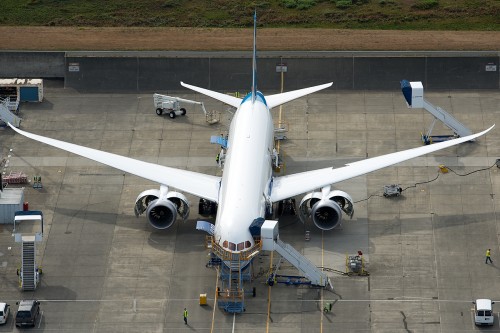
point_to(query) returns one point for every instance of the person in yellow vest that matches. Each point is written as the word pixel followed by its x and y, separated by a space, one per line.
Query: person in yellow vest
pixel 185 316
pixel 488 256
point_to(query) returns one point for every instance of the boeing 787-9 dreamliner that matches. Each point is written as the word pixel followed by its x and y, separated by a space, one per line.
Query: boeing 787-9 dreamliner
pixel 247 189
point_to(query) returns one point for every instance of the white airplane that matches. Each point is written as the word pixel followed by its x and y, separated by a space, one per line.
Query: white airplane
pixel 248 189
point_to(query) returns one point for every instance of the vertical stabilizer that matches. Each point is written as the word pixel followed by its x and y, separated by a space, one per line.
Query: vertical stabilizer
pixel 254 62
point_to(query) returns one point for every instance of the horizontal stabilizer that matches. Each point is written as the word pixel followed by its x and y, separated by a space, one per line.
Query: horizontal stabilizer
pixel 233 101
pixel 278 99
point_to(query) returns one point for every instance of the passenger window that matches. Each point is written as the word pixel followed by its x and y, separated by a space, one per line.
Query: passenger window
pixel 232 246
pixel 248 244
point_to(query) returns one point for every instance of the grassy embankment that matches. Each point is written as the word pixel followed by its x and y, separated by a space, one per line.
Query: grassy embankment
pixel 351 14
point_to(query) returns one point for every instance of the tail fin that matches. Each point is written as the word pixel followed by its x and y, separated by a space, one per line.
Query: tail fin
pixel 254 62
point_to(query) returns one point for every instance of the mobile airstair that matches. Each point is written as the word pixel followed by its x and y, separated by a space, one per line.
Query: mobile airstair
pixel 28 278
pixel 414 95
pixel 272 242
pixel 6 114
pixel 29 272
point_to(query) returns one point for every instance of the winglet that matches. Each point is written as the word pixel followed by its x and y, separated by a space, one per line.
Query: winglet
pixel 254 62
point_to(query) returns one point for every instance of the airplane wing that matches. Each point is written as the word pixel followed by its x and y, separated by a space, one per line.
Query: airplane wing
pixel 201 185
pixel 233 101
pixel 278 99
pixel 288 186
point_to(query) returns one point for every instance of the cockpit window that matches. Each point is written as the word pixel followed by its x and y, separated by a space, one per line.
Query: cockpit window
pixel 248 244
pixel 241 246
pixel 225 244
pixel 232 246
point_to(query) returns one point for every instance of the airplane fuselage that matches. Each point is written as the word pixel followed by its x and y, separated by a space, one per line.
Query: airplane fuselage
pixel 247 174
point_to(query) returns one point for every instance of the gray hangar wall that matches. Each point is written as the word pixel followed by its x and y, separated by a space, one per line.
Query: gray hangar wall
pixel 22 64
pixel 231 71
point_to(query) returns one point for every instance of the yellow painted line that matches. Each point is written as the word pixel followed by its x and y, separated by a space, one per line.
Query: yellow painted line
pixel 322 265
pixel 215 298
pixel 281 109
pixel 269 296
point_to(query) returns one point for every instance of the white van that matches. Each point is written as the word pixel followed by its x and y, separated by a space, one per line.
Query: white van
pixel 4 312
pixel 483 313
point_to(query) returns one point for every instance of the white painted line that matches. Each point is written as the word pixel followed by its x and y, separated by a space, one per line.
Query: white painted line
pixel 40 322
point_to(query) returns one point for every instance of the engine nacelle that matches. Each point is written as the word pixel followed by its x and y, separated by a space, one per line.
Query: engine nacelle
pixel 326 211
pixel 162 210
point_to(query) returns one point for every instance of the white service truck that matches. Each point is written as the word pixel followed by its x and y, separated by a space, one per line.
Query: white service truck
pixel 483 312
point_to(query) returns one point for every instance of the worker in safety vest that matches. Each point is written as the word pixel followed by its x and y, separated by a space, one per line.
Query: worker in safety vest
pixel 488 256
pixel 185 316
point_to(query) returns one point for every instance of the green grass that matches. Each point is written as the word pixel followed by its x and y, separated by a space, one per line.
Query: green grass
pixel 358 14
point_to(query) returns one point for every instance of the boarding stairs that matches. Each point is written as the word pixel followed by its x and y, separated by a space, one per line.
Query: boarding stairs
pixel 28 278
pixel 414 95
pixel 304 265
pixel 272 242
pixel 26 222
pixel 6 114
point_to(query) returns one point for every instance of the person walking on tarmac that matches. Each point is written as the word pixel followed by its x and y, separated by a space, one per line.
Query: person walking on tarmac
pixel 185 314
pixel 488 256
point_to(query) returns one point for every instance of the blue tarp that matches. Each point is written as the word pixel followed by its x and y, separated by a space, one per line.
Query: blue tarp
pixel 256 226
pixel 220 140
pixel 208 227
pixel 406 89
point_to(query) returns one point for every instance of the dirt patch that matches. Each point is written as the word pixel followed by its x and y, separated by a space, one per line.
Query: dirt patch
pixel 197 39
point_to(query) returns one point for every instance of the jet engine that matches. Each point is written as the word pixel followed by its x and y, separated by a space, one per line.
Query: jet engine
pixel 325 208
pixel 162 207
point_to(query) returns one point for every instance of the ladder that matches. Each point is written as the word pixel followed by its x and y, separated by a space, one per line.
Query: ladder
pixel 6 115
pixel 28 268
pixel 232 295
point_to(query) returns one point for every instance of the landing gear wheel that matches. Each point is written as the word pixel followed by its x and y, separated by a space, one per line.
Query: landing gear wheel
pixel 159 111
pixel 183 111
pixel 171 114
